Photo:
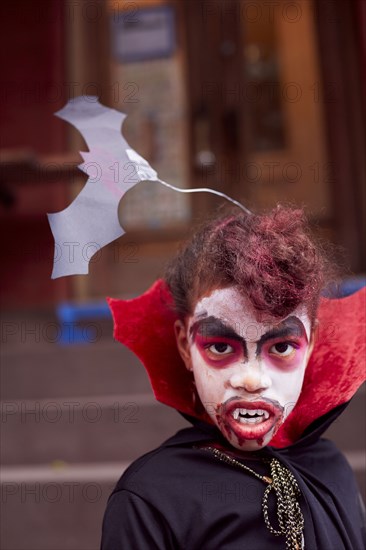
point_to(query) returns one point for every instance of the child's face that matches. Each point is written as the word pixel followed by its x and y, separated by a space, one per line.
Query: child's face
pixel 248 373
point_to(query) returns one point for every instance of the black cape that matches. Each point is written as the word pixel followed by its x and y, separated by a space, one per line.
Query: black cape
pixel 182 497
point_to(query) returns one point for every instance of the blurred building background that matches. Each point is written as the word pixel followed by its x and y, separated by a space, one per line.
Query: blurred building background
pixel 262 100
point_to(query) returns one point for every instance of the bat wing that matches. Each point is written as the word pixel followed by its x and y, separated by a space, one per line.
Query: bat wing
pixel 91 220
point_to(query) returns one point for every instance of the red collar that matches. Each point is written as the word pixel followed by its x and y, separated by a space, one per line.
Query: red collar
pixel 334 373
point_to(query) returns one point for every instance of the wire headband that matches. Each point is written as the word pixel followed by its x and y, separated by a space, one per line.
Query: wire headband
pixel 91 222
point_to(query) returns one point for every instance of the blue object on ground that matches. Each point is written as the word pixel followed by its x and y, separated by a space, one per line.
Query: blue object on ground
pixel 344 288
pixel 352 285
pixel 69 314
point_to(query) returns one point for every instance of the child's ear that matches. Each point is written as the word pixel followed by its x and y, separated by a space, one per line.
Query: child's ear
pixel 183 343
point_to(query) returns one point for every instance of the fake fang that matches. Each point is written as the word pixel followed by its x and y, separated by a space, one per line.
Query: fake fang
pixel 250 416
pixel 249 420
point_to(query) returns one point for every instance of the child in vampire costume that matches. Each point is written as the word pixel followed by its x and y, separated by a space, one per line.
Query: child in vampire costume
pixel 236 339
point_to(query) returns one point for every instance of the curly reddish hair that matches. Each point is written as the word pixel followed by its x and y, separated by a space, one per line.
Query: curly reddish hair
pixel 271 257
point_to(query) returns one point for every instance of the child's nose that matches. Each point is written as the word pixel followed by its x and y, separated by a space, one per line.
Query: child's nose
pixel 250 378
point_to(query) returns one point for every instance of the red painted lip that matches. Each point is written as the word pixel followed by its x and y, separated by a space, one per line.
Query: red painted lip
pixel 255 431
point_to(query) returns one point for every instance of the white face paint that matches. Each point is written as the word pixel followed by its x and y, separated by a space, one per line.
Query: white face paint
pixel 248 373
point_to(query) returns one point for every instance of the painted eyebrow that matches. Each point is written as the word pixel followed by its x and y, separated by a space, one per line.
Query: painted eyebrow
pixel 290 327
pixel 212 326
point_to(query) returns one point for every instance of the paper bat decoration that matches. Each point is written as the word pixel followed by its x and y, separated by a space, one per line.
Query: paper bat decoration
pixel 91 222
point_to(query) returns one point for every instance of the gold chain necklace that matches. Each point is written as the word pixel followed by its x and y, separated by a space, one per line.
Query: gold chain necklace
pixel 283 483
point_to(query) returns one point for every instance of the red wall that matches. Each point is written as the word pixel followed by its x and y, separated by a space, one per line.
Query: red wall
pixel 32 88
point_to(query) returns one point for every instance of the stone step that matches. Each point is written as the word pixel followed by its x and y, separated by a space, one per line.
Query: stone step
pixel 103 368
pixel 117 427
pixel 58 508
pixel 84 429
pixel 62 508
